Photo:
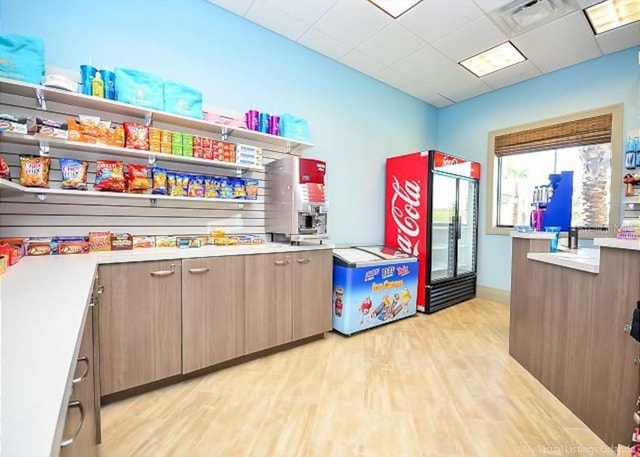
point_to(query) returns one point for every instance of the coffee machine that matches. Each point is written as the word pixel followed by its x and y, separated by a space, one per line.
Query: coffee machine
pixel 296 208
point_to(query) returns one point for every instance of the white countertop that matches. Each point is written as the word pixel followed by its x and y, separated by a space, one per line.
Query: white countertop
pixel 43 301
pixel 633 245
pixel 587 260
pixel 533 235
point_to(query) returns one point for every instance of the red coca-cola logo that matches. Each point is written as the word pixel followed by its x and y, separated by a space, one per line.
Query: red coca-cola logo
pixel 448 160
pixel 406 214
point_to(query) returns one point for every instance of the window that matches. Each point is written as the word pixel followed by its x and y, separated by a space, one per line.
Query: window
pixel 588 144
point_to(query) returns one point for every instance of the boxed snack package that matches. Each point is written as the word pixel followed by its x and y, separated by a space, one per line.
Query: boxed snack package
pixel 46 127
pixel 9 123
pixel 144 242
pixel 99 241
pixel 217 233
pixel 73 247
pixel 165 241
pixel 41 246
pixel 121 242
pixel 224 151
pixel 185 242
pixel 16 248
pixel 248 155
pixel 4 263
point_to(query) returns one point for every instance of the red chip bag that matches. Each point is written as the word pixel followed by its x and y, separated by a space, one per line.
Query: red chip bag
pixel 4 169
pixel 138 178
pixel 136 136
pixel 110 175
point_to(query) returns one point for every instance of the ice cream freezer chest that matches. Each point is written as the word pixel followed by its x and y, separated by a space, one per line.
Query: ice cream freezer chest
pixel 372 286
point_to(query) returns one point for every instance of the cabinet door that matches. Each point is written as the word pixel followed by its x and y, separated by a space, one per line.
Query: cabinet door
pixel 79 438
pixel 140 331
pixel 268 302
pixel 212 311
pixel 312 293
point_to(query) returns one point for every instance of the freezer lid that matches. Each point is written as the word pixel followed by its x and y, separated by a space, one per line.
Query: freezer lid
pixel 387 253
pixel 354 256
pixel 369 255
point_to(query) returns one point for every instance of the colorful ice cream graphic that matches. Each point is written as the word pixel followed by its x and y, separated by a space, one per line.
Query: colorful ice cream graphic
pixel 337 304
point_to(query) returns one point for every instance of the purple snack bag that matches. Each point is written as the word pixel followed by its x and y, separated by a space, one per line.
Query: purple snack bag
pixel 274 125
pixel 252 117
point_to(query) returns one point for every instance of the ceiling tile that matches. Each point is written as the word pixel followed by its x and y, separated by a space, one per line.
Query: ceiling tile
pixel 308 12
pixel 491 5
pixel 426 61
pixel 391 44
pixel 619 39
pixel 465 92
pixel 561 43
pixel 389 76
pixel 361 62
pixel 417 89
pixel 587 3
pixel 472 39
pixel 274 19
pixel 239 7
pixel 434 19
pixel 452 79
pixel 512 75
pixel 324 44
pixel 353 21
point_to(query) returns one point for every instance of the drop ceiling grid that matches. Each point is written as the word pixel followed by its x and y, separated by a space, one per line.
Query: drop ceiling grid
pixel 419 52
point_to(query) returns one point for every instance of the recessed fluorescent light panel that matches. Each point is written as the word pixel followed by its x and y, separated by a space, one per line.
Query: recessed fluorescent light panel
pixel 612 14
pixel 395 8
pixel 494 59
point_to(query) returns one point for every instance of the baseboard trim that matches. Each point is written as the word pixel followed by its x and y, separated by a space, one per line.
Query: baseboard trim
pixel 493 294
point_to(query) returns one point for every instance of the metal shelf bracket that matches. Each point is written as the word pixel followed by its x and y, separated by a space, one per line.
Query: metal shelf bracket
pixel 41 197
pixel 225 134
pixel 42 103
pixel 153 202
pixel 152 160
pixel 43 146
pixel 148 118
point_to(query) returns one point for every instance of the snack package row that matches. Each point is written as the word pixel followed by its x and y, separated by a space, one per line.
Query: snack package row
pixel 59 245
pixel 93 130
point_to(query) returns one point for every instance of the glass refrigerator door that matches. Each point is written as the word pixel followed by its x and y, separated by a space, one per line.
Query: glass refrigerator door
pixel 443 239
pixel 467 226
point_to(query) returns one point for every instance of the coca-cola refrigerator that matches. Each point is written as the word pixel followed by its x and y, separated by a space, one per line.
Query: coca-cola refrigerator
pixel 431 212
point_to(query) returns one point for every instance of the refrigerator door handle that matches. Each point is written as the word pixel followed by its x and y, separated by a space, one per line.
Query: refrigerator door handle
pixel 459 228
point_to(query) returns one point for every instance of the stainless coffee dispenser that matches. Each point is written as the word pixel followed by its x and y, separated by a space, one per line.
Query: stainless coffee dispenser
pixel 296 208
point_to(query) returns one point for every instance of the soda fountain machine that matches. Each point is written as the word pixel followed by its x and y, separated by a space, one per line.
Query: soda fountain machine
pixel 552 203
pixel 297 205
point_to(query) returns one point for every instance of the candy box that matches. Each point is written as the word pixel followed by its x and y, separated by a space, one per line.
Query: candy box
pixel 188 242
pixel 245 239
pixel 99 241
pixel 165 241
pixel 73 247
pixel 11 254
pixel 144 242
pixel 215 233
pixel 4 263
pixel 41 246
pixel 204 240
pixel 17 248
pixel 121 242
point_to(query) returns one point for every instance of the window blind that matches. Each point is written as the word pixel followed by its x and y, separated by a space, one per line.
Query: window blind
pixel 591 130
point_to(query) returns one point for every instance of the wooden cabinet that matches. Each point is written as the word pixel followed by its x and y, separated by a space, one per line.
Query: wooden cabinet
pixel 268 283
pixel 140 324
pixel 80 436
pixel 311 293
pixel 213 296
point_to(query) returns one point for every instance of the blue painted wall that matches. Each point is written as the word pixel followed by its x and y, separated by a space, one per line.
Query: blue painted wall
pixel 355 120
pixel 463 129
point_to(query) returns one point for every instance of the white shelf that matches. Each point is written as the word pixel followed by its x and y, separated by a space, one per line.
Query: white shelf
pixel 7 187
pixel 23 89
pixel 18 138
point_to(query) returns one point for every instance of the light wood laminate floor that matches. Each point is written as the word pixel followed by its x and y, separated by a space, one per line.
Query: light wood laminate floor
pixel 426 386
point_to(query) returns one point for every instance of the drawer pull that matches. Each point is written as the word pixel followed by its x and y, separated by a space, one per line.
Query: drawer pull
pixel 199 270
pixel 282 262
pixel 307 260
pixel 74 404
pixel 627 328
pixel 100 290
pixel 163 273
pixel 86 370
pixel 637 360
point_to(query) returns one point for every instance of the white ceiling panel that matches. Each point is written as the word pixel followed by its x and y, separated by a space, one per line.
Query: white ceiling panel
pixel 324 44
pixel 361 62
pixel 240 7
pixel 412 87
pixel 564 42
pixel 267 16
pixel 472 39
pixel 434 19
pixel 512 75
pixel 391 44
pixel 466 92
pixel 619 39
pixel 353 21
pixel 453 79
pixel 490 5
pixel 306 11
pixel 425 61
pixel 587 3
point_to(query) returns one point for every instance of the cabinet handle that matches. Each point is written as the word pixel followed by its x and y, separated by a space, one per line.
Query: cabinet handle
pixel 282 262
pixel 86 370
pixel 162 273
pixel 637 360
pixel 100 290
pixel 199 270
pixel 74 404
pixel 307 260
pixel 627 328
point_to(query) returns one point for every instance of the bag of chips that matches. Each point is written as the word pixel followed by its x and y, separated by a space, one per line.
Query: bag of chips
pixel 196 186
pixel 136 136
pixel 110 176
pixel 177 184
pixel 210 190
pixel 226 187
pixel 74 174
pixel 34 171
pixel 4 169
pixel 137 178
pixel 159 181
